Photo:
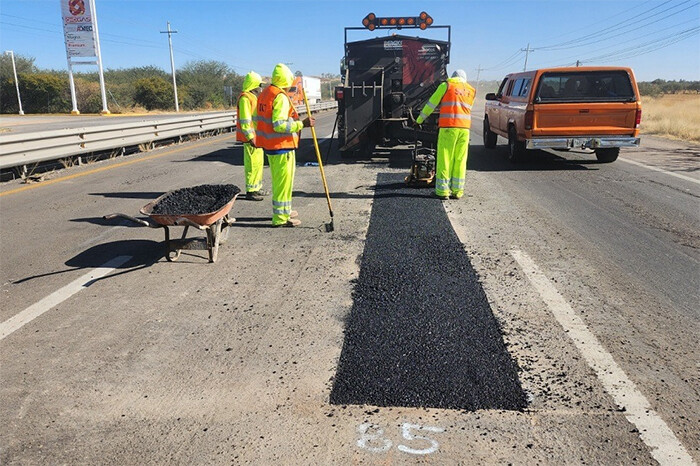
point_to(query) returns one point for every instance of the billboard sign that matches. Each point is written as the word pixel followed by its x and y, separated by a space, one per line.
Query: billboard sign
pixel 78 28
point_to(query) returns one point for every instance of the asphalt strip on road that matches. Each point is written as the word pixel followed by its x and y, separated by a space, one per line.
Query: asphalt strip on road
pixel 421 332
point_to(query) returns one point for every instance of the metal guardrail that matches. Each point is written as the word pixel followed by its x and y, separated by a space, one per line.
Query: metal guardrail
pixel 28 148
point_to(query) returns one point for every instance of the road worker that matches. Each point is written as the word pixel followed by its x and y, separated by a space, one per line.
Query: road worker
pixel 253 158
pixel 455 98
pixel 277 133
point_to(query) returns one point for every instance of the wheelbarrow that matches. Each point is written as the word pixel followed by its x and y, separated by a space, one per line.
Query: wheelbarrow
pixel 214 224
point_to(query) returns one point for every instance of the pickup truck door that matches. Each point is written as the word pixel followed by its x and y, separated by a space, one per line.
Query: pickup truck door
pixel 503 106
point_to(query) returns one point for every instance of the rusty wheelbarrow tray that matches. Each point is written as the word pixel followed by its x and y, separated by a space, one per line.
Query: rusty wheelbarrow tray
pixel 215 224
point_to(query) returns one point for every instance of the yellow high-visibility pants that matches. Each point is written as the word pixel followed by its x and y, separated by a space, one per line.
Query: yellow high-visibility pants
pixel 451 170
pixel 282 168
pixel 253 161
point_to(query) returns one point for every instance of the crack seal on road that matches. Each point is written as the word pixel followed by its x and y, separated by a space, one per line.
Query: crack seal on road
pixel 421 332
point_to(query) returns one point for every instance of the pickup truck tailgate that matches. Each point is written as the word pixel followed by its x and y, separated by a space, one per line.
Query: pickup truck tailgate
pixel 574 119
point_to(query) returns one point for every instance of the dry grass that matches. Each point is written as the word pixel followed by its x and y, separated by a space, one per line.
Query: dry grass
pixel 675 116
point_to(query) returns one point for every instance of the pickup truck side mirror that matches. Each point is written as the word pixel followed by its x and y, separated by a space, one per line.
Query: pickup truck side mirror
pixel 491 96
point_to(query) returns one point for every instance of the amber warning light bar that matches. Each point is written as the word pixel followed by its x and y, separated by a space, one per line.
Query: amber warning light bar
pixel 372 22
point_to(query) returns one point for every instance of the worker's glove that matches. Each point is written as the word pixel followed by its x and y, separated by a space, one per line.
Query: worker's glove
pixel 252 143
pixel 308 122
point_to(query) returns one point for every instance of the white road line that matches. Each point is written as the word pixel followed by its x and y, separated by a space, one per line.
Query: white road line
pixel 57 297
pixel 661 170
pixel 665 446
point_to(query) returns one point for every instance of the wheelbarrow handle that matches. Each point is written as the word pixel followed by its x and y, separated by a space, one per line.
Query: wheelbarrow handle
pixel 182 221
pixel 133 219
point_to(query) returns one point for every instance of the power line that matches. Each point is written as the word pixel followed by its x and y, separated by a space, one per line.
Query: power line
pixel 692 20
pixel 623 31
pixel 505 62
pixel 597 33
pixel 640 49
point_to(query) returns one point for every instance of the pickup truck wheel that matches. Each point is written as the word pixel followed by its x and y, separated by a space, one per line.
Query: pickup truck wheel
pixel 607 155
pixel 516 149
pixel 490 137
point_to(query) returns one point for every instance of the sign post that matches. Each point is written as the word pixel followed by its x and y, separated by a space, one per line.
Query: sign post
pixel 82 41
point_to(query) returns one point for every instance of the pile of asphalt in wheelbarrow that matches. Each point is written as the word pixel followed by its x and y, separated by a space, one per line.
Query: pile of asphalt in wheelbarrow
pixel 197 200
pixel 421 332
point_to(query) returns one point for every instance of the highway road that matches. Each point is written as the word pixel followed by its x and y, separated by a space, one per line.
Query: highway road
pixel 549 317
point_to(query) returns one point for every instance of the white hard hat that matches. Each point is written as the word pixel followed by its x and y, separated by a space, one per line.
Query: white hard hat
pixel 460 74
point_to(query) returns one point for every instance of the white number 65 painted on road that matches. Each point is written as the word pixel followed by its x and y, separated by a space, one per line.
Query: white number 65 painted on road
pixel 372 440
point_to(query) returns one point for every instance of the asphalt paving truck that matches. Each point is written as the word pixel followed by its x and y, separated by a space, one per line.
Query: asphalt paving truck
pixel 384 83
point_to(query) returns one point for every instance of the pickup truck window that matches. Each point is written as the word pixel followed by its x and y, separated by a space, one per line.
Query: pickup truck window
pixel 521 87
pixel 499 94
pixel 510 88
pixel 515 91
pixel 526 87
pixel 586 86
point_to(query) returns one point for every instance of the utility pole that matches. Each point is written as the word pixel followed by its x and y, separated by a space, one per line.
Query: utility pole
pixel 14 70
pixel 170 33
pixel 527 52
pixel 478 73
pixel 578 63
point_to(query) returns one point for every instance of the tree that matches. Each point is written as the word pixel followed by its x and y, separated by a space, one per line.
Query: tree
pixel 22 63
pixel 41 93
pixel 154 93
pixel 204 82
pixel 88 96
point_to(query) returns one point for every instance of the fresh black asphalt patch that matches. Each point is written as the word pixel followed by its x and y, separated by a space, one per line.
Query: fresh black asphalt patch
pixel 421 332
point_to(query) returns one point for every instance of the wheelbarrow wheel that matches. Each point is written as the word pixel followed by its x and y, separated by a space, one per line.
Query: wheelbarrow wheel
pixel 172 256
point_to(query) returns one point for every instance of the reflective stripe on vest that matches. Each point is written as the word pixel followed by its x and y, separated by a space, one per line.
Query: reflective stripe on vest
pixel 456 106
pixel 265 134
pixel 245 135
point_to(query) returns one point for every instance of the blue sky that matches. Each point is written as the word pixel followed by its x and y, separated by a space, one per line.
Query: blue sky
pixel 309 34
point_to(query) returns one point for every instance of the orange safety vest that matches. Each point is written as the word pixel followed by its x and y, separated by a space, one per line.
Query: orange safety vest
pixel 456 106
pixel 253 103
pixel 266 137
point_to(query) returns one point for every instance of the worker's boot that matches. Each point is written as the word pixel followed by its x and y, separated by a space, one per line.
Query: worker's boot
pixel 456 196
pixel 292 222
pixel 253 196
pixel 293 214
pixel 444 198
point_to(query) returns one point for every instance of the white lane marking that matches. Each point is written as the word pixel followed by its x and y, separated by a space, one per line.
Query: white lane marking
pixel 661 170
pixel 665 446
pixel 57 297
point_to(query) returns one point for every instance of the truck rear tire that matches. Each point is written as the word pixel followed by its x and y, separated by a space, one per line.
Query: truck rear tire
pixel 490 137
pixel 516 149
pixel 607 155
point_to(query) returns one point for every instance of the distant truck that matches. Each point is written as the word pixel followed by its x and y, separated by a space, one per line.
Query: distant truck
pixel 311 85
pixel 595 108
pixel 385 81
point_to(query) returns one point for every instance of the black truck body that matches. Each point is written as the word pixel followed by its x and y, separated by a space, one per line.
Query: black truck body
pixel 385 83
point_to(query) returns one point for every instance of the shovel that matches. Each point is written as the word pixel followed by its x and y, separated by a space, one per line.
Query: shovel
pixel 329 226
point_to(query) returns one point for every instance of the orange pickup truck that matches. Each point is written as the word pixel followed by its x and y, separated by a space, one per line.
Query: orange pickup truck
pixel 564 108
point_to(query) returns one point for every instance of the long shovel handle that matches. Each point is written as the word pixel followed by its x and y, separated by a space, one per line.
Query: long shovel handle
pixel 318 153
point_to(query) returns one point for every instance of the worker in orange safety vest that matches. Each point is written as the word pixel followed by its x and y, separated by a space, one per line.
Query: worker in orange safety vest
pixel 277 132
pixel 454 98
